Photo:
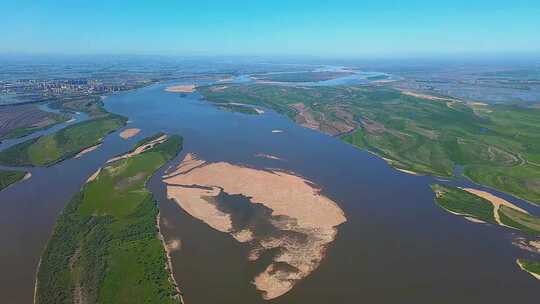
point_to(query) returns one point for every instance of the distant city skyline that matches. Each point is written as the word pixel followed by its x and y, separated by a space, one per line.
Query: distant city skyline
pixel 319 28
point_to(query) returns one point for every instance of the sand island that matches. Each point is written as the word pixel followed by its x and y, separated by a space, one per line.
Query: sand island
pixel 266 209
pixel 129 133
pixel 184 88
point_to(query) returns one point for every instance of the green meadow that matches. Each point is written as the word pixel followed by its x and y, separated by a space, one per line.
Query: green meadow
pixel 9 177
pixel 66 143
pixel 498 146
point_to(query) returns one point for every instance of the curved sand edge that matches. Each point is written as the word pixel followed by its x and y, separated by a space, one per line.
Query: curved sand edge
pixel 296 205
pixel 496 201
pixel 87 150
pixel 536 275
pixel 128 133
pixel 140 149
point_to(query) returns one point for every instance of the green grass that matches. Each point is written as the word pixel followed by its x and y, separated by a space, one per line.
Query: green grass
pixel 522 221
pixel 463 202
pixel 530 266
pixel 238 109
pixel 105 247
pixel 66 143
pixel 8 177
pixel 498 146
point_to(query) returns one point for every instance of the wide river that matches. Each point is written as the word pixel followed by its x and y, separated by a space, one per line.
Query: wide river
pixel 397 245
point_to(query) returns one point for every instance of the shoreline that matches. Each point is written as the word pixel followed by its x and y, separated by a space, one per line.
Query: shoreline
pixel 535 275
pixel 169 265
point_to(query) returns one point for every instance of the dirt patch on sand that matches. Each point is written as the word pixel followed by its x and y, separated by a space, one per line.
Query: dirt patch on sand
pixel 302 220
pixel 185 88
pixel 496 201
pixel 129 133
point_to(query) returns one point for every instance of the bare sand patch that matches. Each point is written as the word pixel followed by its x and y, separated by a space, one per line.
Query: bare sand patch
pixel 185 88
pixel 87 150
pixel 93 176
pixel 496 201
pixel 28 175
pixel 474 220
pixel 268 156
pixel 531 246
pixel 128 133
pixel 297 208
pixel 408 171
pixel 140 149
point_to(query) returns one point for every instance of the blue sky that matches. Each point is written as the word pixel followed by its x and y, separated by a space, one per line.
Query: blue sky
pixel 270 27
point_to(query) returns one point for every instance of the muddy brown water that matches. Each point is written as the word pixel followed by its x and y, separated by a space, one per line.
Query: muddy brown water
pixel 397 245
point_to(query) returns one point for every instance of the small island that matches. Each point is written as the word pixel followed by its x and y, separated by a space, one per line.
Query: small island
pixel 185 88
pixel 107 243
pixel 67 143
pixel 10 177
pixel 486 207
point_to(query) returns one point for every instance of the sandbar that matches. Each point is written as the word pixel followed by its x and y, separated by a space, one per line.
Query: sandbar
pixel 87 150
pixel 128 133
pixel 296 208
pixel 496 201
pixel 268 156
pixel 185 88
pixel 140 149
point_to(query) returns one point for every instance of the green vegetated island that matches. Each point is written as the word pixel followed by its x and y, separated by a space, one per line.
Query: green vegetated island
pixel 50 149
pixel 498 145
pixel 466 202
pixel 106 246
pixel 9 177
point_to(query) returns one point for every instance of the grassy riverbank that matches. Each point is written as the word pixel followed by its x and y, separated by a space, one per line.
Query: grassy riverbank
pixel 498 146
pixel 105 246
pixel 66 143
pixel 8 177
